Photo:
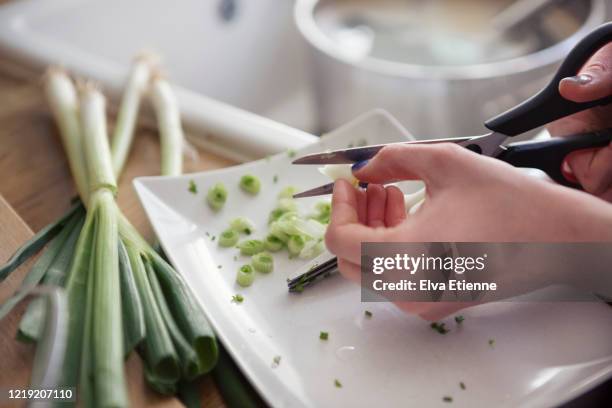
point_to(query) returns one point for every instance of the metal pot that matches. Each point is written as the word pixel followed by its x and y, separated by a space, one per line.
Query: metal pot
pixel 429 97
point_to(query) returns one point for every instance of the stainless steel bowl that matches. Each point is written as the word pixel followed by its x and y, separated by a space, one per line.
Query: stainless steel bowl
pixel 437 65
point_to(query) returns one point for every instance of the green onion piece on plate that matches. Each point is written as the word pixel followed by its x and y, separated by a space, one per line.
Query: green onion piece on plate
pixel 245 276
pixel 251 247
pixel 263 262
pixel 242 225
pixel 273 243
pixel 295 245
pixel 250 184
pixel 216 196
pixel 228 238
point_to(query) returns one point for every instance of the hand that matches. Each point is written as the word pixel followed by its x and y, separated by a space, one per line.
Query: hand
pixel 591 167
pixel 469 198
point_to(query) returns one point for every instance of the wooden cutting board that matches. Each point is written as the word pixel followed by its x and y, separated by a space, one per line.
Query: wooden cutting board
pixel 36 183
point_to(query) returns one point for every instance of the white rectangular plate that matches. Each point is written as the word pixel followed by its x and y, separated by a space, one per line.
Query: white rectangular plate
pixel 544 353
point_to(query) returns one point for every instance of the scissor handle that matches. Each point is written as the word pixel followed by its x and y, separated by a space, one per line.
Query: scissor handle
pixel 548 105
pixel 548 155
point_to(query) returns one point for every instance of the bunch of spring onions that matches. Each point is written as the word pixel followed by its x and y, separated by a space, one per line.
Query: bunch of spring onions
pixel 121 294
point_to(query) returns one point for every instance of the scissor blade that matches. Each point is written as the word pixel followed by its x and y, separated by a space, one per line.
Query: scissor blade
pixel 317 191
pixel 355 154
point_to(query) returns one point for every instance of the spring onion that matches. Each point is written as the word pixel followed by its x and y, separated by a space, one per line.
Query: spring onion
pixel 169 123
pixel 238 298
pixel 339 171
pixel 459 319
pixel 137 83
pixel 462 385
pixel 275 214
pixel 324 335
pixel 295 245
pixel 251 247
pixel 447 399
pixel 273 243
pixel 228 238
pixel 193 188
pixel 250 184
pixel 242 225
pixel 263 262
pixel 337 383
pixel 368 314
pixel 287 192
pixel 216 196
pixel 245 276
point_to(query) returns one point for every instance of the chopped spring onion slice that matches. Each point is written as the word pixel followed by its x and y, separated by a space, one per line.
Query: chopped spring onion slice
pixel 275 214
pixel 250 184
pixel 439 327
pixel 337 383
pixel 263 262
pixel 295 245
pixel 462 385
pixel 245 276
pixel 311 248
pixel 228 238
pixel 238 298
pixel 447 399
pixel 193 188
pixel 216 196
pixel 368 314
pixel 273 243
pixel 287 192
pixel 324 335
pixel 459 319
pixel 251 247
pixel 339 171
pixel 276 360
pixel 287 204
pixel 242 225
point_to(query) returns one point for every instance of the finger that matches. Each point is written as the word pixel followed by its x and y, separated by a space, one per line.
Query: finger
pixel 345 203
pixel 362 206
pixel 592 169
pixel 395 211
pixel 435 164
pixel 377 201
pixel 349 270
pixel 594 80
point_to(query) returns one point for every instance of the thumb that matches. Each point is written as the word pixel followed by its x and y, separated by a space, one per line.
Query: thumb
pixel 594 81
pixel 435 164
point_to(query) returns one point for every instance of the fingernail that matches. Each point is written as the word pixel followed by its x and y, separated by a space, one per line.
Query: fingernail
pixel 359 165
pixel 581 79
pixel 363 184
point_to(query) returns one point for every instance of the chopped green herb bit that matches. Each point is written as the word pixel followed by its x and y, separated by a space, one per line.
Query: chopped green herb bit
pixel 250 184
pixel 242 225
pixel 291 153
pixel 213 237
pixel 447 399
pixel 263 262
pixel 491 342
pixel 368 314
pixel 337 383
pixel 439 327
pixel 459 319
pixel 245 276
pixel 287 192
pixel 216 196
pixel 193 188
pixel 324 335
pixel 295 245
pixel 275 178
pixel 462 385
pixel 237 298
pixel 228 238
pixel 219 266
pixel 276 360
pixel 273 243
pixel 251 247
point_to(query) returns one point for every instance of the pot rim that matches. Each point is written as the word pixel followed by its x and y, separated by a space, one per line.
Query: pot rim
pixel 305 21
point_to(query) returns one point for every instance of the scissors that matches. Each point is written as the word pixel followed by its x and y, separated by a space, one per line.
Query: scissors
pixel 542 108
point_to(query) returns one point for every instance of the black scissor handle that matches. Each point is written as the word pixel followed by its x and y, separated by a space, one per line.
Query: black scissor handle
pixel 548 105
pixel 548 155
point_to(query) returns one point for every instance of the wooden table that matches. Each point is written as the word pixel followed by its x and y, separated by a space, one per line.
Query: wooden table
pixel 36 183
